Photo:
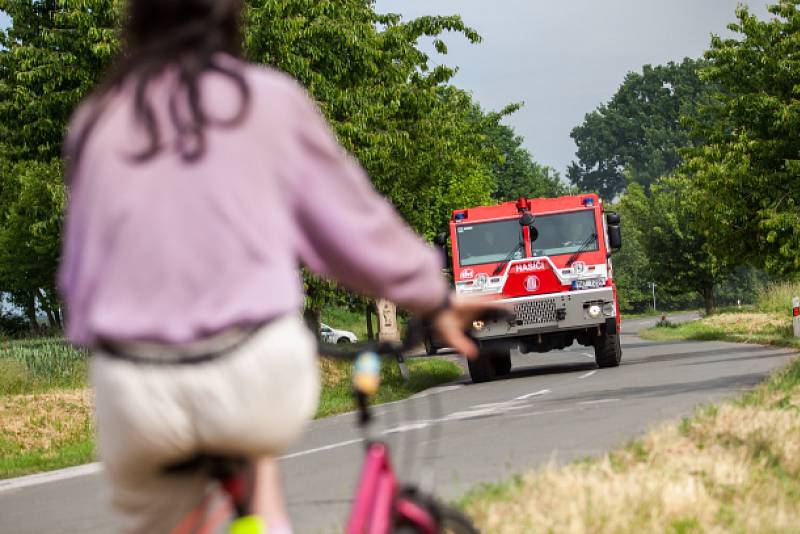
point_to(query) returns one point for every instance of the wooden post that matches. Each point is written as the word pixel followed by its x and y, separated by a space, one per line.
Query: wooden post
pixel 796 316
pixel 388 330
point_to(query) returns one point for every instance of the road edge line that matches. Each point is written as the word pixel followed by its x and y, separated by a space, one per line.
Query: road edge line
pixel 13 484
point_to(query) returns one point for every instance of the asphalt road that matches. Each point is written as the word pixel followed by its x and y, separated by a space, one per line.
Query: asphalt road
pixel 556 406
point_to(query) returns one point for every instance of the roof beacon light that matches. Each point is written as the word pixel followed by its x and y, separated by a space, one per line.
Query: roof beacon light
pixel 461 216
pixel 588 202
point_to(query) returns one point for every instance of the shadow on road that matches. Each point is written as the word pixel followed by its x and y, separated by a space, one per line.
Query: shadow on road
pixel 722 383
pixel 650 344
pixel 551 369
pixel 676 356
pixel 744 358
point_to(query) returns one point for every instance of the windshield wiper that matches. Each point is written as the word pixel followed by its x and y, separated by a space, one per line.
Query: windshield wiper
pixel 584 246
pixel 509 257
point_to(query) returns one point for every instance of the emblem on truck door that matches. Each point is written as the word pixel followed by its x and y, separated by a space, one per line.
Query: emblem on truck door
pixel 531 284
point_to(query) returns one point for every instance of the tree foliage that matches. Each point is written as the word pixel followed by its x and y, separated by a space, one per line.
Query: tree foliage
pixel 747 171
pixel 631 264
pixel 636 137
pixel 679 257
pixel 51 56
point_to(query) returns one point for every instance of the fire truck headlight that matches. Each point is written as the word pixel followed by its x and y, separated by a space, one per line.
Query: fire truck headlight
pixel 608 309
pixel 594 311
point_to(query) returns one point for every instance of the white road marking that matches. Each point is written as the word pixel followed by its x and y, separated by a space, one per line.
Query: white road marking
pixel 434 391
pixel 408 427
pixel 601 401
pixel 52 476
pixel 322 449
pixel 587 375
pixel 534 394
pixel 541 412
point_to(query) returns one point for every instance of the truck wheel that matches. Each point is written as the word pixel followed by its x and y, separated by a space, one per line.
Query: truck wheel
pixel 481 369
pixel 430 348
pixel 607 351
pixel 502 364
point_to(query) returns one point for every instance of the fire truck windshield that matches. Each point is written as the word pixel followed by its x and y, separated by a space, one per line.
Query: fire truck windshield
pixel 489 242
pixel 565 233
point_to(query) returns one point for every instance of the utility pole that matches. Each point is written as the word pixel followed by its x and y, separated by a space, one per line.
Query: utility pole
pixel 653 285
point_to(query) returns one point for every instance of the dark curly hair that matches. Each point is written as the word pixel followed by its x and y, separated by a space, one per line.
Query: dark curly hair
pixel 185 35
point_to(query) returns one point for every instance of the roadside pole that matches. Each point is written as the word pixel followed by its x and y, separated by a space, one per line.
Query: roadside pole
pixel 796 316
pixel 388 330
pixel 653 285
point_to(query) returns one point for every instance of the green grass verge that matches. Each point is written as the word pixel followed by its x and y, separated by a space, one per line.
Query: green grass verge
pixel 651 313
pixel 337 394
pixel 740 327
pixel 17 464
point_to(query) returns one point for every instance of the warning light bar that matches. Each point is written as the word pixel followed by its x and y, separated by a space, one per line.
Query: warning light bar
pixel 588 202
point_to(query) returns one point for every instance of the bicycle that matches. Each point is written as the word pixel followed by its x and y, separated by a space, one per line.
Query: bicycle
pixel 382 504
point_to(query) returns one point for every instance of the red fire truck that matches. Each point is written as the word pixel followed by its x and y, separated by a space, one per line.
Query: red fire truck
pixel 549 260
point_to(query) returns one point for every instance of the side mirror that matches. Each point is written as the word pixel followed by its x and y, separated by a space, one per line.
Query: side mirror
pixel 614 238
pixel 612 218
pixel 534 233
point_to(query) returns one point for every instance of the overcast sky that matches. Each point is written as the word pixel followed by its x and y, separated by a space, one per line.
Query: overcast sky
pixel 565 57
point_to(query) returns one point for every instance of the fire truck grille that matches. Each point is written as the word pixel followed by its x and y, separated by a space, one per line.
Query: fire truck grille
pixel 536 312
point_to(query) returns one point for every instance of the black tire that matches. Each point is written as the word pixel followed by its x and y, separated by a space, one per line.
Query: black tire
pixel 451 521
pixel 430 348
pixel 481 369
pixel 342 341
pixel 607 351
pixel 502 364
pixel 455 522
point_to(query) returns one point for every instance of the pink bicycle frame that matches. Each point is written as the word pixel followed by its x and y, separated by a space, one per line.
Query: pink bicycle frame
pixel 377 504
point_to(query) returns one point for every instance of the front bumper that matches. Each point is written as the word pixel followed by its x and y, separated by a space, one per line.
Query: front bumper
pixel 553 312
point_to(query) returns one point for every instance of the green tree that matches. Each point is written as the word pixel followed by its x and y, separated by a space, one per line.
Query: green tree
pixel 50 57
pixel 30 237
pixel 386 103
pixel 638 134
pixel 632 271
pixel 680 259
pixel 747 170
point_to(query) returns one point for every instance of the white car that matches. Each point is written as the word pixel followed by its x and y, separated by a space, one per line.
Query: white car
pixel 331 335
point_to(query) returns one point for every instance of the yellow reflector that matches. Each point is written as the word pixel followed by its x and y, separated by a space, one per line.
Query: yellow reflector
pixel 251 524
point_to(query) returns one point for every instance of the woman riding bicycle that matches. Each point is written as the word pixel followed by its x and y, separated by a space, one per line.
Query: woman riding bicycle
pixel 198 185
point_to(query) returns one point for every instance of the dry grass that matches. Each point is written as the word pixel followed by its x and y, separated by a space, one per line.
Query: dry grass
pixel 761 328
pixel 333 372
pixel 729 469
pixel 46 420
pixel 748 322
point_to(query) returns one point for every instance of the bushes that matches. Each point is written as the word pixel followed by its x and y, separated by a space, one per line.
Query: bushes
pixel 40 364
pixel 12 325
pixel 777 297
